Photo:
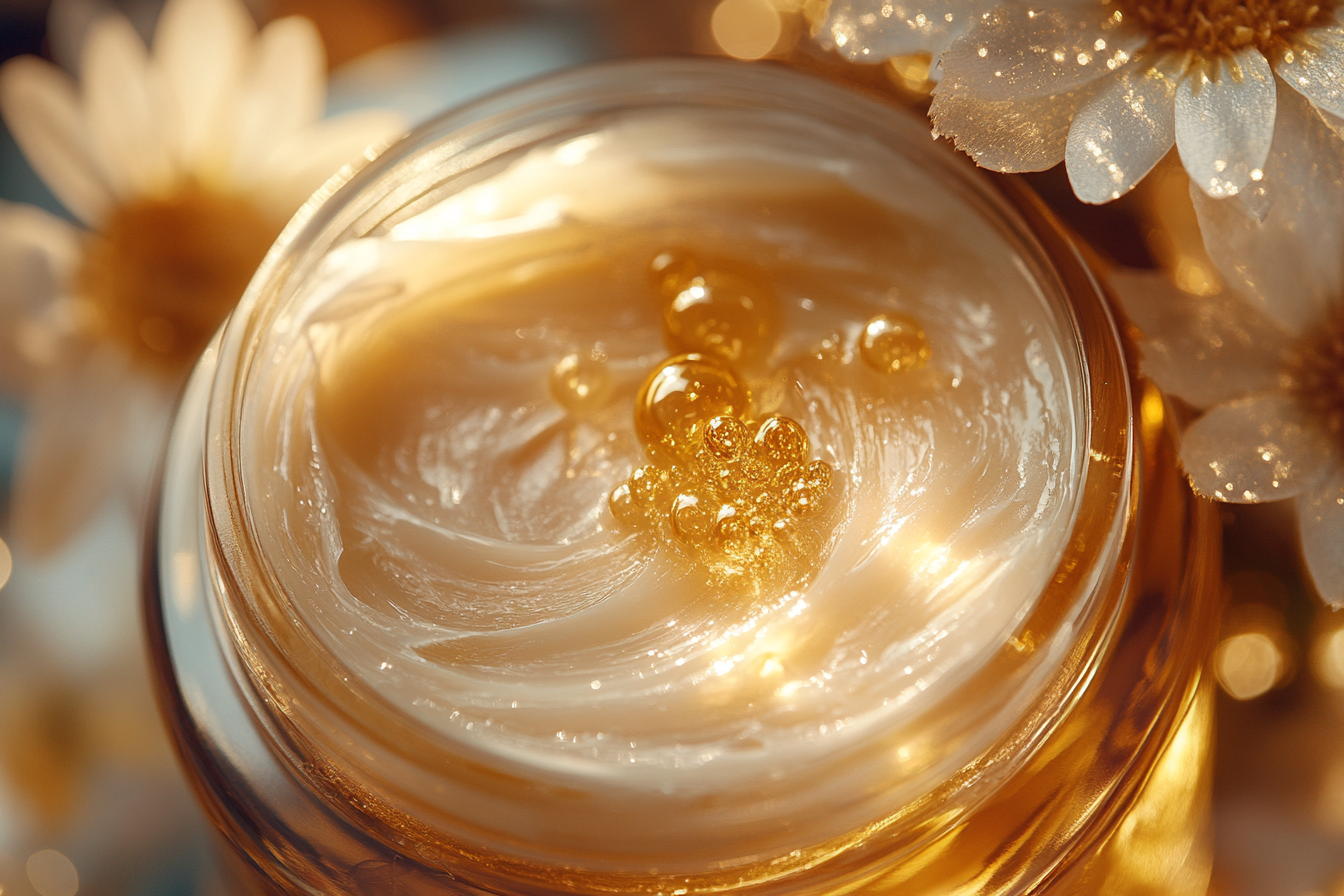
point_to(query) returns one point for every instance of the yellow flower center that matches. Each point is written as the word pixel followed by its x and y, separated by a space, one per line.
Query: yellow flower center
pixel 1212 28
pixel 163 273
pixel 1318 374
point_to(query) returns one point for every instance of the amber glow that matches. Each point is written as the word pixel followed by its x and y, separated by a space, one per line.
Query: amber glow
pixel 1248 664
pixel 1327 658
pixel 164 272
pixel 746 29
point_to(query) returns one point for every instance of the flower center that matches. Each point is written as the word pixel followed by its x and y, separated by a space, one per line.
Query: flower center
pixel 1318 374
pixel 1212 28
pixel 163 273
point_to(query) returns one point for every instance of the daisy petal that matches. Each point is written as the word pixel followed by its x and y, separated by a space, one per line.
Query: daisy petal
pixel 1020 51
pixel 1203 349
pixel 876 30
pixel 1320 521
pixel 303 163
pixel 129 117
pixel 38 254
pixel 1225 124
pixel 1290 265
pixel 41 107
pixel 68 461
pixel 1018 135
pixel 285 92
pixel 1258 449
pixel 1314 67
pixel 1121 133
pixel 201 47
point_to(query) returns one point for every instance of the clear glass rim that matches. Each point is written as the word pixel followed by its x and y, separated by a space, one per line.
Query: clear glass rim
pixel 451 146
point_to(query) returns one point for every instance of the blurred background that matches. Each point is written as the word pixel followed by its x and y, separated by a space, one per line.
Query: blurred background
pixel 90 797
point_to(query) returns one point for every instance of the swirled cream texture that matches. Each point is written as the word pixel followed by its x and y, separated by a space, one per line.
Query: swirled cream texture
pixel 442 521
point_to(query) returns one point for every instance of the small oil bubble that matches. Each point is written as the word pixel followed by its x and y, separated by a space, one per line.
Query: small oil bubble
pixel 671 270
pixel 725 437
pixel 581 383
pixel 781 440
pixel 714 308
pixel 725 314
pixel 683 393
pixel 894 343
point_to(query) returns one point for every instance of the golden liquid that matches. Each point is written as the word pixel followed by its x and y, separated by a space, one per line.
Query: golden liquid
pixel 743 498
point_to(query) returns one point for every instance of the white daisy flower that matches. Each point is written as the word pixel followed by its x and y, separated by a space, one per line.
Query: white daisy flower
pixel 1265 359
pixel 1107 86
pixel 872 31
pixel 183 163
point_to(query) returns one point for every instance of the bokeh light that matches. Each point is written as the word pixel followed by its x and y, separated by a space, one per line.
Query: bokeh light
pixel 747 29
pixel 1248 664
pixel 1327 658
pixel 52 874
pixel 6 563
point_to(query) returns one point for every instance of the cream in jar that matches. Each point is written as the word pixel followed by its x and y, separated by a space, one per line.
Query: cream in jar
pixel 449 404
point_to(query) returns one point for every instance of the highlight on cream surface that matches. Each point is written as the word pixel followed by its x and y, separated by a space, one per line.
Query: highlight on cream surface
pixel 447 414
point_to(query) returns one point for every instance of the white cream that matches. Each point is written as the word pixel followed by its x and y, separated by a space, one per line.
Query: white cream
pixel 441 523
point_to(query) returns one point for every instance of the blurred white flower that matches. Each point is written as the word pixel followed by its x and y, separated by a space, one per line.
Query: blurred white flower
pixel 183 163
pixel 1107 86
pixel 877 30
pixel 1266 358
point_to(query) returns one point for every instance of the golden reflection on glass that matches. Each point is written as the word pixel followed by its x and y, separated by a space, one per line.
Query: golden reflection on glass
pixel 52 874
pixel 1327 658
pixel 746 29
pixel 1159 846
pixel 1248 664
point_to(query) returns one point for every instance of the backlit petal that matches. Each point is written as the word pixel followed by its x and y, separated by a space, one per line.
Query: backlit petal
pixel 1291 264
pixel 68 459
pixel 41 107
pixel 1121 133
pixel 876 30
pixel 1258 449
pixel 1320 520
pixel 304 162
pixel 1019 51
pixel 38 254
pixel 1314 66
pixel 126 103
pixel 1225 123
pixel 1015 135
pixel 285 92
pixel 1204 349
pixel 201 46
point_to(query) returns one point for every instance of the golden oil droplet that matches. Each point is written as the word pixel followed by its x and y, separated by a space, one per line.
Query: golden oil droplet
pixel 672 270
pixel 684 393
pixel 894 343
pixel 725 437
pixel 581 383
pixel 713 308
pixel 781 440
pixel 690 519
pixel 724 314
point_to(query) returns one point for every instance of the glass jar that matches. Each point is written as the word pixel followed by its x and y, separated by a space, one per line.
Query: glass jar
pixel 340 745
